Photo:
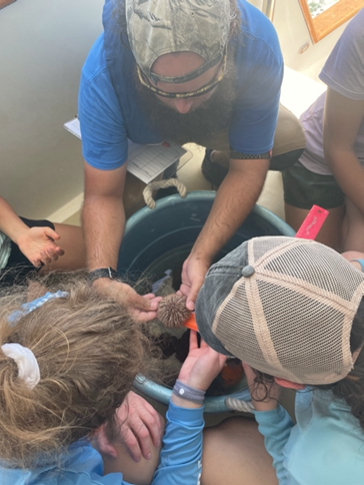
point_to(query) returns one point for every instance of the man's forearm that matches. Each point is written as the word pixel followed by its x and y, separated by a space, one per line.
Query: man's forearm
pixel 103 221
pixel 234 201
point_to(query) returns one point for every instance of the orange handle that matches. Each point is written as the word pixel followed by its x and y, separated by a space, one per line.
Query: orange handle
pixel 191 323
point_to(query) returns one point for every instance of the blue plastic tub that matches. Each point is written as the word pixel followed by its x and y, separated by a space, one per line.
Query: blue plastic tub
pixel 161 238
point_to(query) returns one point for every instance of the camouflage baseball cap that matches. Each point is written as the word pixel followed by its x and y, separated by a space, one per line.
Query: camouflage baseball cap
pixel 157 27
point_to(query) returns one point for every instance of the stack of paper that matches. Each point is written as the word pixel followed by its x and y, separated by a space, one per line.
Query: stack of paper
pixel 144 161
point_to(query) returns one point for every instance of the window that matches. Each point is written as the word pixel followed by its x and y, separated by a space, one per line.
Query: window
pixel 324 16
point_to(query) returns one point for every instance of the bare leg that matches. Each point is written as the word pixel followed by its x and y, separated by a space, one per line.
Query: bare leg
pixel 234 453
pixel 221 158
pixel 133 195
pixel 140 473
pixel 71 241
pixel 353 229
pixel 330 233
pixel 231 450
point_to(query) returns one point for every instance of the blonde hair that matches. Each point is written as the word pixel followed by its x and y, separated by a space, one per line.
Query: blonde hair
pixel 88 350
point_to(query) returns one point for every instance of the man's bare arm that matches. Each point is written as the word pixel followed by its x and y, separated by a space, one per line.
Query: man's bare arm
pixel 103 222
pixel 103 217
pixel 342 120
pixel 234 201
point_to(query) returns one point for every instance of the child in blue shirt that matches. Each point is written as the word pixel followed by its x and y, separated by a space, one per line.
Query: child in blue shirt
pixel 293 311
pixel 67 364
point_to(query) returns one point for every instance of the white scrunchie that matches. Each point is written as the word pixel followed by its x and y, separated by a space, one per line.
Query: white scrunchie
pixel 28 368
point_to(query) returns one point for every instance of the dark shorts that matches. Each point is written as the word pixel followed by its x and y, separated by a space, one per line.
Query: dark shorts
pixel 18 267
pixel 303 189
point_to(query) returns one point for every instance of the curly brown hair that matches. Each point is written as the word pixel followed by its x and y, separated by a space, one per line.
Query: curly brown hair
pixel 88 350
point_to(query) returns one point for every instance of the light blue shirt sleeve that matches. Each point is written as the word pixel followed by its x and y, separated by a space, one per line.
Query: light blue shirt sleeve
pixel 180 459
pixel 324 447
pixel 276 426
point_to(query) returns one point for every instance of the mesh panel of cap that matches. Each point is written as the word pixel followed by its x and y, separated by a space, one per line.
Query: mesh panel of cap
pixel 292 318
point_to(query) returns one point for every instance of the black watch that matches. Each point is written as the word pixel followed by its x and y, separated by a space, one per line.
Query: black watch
pixel 102 273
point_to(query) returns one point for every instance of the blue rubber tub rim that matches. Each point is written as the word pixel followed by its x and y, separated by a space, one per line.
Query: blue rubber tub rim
pixel 199 195
pixel 213 404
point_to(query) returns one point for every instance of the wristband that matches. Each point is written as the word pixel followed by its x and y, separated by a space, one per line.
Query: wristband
pixel 102 273
pixel 189 393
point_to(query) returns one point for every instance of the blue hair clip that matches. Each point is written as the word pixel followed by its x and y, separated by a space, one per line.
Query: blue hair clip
pixel 33 305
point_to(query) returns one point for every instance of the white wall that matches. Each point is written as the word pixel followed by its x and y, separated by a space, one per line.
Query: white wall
pixel 293 34
pixel 43 46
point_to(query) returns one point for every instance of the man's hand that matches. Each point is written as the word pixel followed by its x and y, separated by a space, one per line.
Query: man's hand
pixel 264 396
pixel 141 308
pixel 37 244
pixel 193 274
pixel 234 201
pixel 140 425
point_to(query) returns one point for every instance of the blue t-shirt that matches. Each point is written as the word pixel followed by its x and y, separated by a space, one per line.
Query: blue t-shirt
pixel 180 459
pixel 110 111
pixel 325 447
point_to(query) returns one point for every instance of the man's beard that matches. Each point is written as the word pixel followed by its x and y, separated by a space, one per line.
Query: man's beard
pixel 211 117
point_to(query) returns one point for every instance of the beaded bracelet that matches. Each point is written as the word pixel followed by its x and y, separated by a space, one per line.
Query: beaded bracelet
pixel 187 392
